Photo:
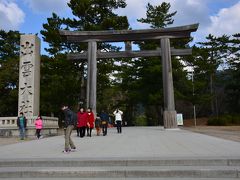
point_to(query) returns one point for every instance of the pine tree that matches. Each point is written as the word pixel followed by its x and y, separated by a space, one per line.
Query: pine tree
pixel 233 83
pixel 9 63
pixel 142 77
pixel 88 15
pixel 218 50
pixel 158 16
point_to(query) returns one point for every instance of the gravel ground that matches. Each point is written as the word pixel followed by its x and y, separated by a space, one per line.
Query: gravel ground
pixel 12 140
pixel 225 132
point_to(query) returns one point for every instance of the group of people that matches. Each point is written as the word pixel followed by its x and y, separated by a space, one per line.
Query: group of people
pixel 85 121
pixel 22 124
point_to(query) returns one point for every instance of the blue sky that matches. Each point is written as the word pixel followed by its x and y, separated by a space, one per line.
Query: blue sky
pixel 215 16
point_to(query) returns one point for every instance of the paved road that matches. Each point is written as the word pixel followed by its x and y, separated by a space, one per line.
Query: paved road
pixel 134 142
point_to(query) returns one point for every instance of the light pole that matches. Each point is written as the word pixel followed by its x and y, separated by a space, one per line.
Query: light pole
pixel 194 108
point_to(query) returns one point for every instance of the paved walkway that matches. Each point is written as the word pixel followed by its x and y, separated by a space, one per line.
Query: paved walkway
pixel 134 142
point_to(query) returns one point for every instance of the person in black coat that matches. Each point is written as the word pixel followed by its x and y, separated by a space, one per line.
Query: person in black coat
pixel 70 122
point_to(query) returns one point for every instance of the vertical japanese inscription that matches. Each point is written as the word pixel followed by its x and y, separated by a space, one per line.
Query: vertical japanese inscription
pixel 25 78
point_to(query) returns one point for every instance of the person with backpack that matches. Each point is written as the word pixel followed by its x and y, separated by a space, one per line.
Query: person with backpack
pixel 104 121
pixel 70 123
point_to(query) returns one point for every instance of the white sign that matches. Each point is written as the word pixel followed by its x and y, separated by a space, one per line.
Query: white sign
pixel 180 119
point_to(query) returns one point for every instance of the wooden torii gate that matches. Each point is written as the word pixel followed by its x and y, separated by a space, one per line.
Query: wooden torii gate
pixel 163 34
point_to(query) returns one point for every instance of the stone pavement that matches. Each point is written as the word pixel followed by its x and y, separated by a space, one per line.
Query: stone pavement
pixel 122 178
pixel 149 153
pixel 133 143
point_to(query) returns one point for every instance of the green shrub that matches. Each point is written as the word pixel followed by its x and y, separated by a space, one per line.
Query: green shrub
pixel 225 120
pixel 141 120
pixel 236 119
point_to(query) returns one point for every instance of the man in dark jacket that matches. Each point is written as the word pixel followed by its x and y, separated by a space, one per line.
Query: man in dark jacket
pixel 70 122
pixel 104 121
pixel 22 124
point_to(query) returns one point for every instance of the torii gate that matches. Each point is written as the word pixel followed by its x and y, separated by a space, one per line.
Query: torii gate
pixel 163 34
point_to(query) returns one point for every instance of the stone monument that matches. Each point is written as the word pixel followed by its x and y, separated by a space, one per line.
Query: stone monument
pixel 29 75
pixel 29 91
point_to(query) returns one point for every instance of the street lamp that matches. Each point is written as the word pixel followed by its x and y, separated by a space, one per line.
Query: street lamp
pixel 194 108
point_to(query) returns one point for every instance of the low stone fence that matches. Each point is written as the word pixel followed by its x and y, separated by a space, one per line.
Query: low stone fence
pixel 8 126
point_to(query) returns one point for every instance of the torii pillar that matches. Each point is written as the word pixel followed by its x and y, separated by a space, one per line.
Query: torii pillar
pixel 92 76
pixel 169 113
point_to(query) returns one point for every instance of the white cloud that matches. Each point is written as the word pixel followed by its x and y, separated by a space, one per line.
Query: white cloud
pixel 47 6
pixel 189 12
pixel 135 10
pixel 227 21
pixel 192 11
pixel 11 15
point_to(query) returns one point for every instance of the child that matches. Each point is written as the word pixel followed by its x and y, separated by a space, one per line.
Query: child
pixel 38 125
pixel 104 121
pixel 98 125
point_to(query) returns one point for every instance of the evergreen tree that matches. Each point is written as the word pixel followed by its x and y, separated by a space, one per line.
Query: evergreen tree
pixel 218 50
pixel 88 16
pixel 233 83
pixel 199 93
pixel 9 63
pixel 142 77
pixel 158 16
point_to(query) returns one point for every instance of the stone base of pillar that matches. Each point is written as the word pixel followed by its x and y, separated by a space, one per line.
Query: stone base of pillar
pixel 170 119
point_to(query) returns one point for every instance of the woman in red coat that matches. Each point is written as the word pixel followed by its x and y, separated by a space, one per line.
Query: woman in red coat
pixel 90 122
pixel 82 122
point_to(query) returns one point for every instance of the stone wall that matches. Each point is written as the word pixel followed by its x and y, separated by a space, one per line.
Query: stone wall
pixel 8 126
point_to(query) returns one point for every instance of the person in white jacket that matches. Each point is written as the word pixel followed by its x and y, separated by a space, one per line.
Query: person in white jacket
pixel 118 120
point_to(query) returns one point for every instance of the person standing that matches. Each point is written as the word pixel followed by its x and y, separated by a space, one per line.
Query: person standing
pixel 118 120
pixel 104 121
pixel 98 124
pixel 69 125
pixel 22 124
pixel 38 126
pixel 82 122
pixel 90 122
